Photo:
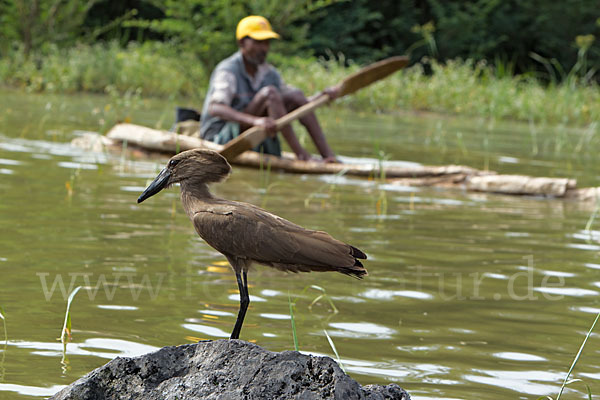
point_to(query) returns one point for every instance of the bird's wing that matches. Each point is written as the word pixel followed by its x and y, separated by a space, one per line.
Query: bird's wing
pixel 245 231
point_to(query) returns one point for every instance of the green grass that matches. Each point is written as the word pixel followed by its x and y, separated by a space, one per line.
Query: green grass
pixel 588 225
pixel 3 318
pixel 334 309
pixel 152 69
pixel 66 330
pixel 568 381
pixel 293 320
pixel 322 296
pixel 2 371
pixel 462 87
pixel 339 360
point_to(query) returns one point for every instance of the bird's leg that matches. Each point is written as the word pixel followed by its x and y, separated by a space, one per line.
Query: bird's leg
pixel 244 302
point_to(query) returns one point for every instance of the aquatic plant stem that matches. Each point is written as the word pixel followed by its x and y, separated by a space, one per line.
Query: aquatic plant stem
pixel 67 324
pixel 4 323
pixel 2 370
pixel 577 358
pixel 588 226
pixel 334 350
pixel 293 323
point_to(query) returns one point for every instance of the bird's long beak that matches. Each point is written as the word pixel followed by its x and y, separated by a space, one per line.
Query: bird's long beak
pixel 158 184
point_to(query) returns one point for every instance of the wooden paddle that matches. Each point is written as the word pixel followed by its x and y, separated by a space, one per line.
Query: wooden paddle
pixel 358 80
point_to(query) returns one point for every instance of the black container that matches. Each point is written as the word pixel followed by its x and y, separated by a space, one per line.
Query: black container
pixel 185 114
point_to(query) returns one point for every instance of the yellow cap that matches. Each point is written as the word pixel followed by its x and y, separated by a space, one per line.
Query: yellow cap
pixel 255 26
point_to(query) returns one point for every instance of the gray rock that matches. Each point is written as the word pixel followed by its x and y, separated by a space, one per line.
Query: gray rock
pixel 223 369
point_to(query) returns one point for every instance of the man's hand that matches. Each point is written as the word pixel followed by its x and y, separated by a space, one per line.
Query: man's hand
pixel 304 155
pixel 333 92
pixel 268 124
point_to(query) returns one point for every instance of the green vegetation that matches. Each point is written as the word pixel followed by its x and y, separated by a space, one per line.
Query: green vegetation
pixel 65 335
pixel 2 371
pixel 339 360
pixel 4 324
pixel 507 30
pixel 566 381
pixel 491 58
pixel 461 87
pixel 513 31
pixel 66 330
pixel 334 311
pixel 154 69
pixel 293 320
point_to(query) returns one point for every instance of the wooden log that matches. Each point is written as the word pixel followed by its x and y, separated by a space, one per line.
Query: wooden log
pixel 451 176
pixel 590 194
pixel 170 142
pixel 521 184
pixel 157 140
pixel 447 181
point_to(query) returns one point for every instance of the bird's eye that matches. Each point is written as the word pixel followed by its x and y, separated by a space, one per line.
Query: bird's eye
pixel 173 163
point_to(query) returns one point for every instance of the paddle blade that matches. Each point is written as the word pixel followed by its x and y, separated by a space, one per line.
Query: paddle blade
pixel 372 73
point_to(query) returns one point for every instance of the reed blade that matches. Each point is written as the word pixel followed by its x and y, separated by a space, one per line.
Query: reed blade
pixel 67 324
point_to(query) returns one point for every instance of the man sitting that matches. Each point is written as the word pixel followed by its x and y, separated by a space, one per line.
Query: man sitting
pixel 244 91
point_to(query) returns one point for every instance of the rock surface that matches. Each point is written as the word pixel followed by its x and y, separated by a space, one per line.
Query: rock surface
pixel 223 369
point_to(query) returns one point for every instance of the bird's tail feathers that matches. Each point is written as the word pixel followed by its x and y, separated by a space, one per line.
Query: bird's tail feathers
pixel 356 253
pixel 356 271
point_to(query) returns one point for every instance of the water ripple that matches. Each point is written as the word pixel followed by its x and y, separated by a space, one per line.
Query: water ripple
pixel 31 390
pixel 217 313
pixel 519 381
pixel 576 292
pixel 76 165
pixel 380 294
pixel 5 161
pixel 509 355
pixel 116 307
pixel 361 329
pixel 582 246
pixel 207 330
pixel 275 316
pixel 106 348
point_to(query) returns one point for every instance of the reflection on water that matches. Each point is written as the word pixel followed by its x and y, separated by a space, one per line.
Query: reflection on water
pixel 519 382
pixel 468 295
pixel 509 355
pixel 6 389
pixel 209 331
pixel 97 347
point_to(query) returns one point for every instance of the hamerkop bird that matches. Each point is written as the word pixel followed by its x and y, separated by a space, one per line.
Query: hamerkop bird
pixel 246 234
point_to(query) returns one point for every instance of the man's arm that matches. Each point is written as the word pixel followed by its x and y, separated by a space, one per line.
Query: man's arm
pixel 224 88
pixel 262 111
pixel 228 113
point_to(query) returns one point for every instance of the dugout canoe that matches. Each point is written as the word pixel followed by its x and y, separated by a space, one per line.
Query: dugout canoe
pixel 149 141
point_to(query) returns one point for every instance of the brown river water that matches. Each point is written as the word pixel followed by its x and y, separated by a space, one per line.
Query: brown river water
pixel 469 296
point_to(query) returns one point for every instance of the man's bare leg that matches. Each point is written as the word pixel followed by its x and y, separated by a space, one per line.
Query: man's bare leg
pixel 294 99
pixel 269 102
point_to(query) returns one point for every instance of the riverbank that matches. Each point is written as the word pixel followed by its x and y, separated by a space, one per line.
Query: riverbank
pixel 458 87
